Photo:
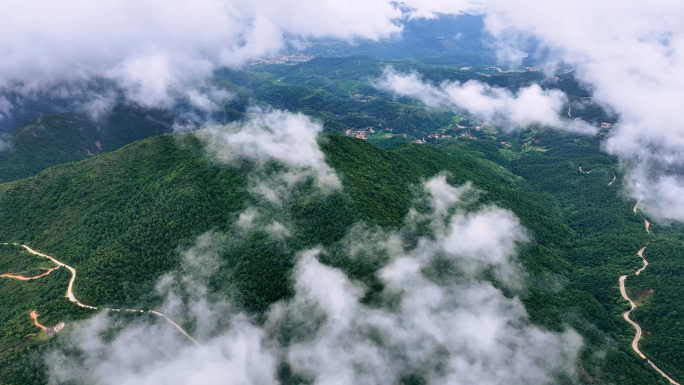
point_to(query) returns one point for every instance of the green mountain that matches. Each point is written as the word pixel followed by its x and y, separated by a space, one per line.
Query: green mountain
pixel 122 220
pixel 55 139
pixel 125 212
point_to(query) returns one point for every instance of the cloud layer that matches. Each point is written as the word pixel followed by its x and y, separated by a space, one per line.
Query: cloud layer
pixel 455 328
pixel 155 51
pixel 631 56
pixel 530 105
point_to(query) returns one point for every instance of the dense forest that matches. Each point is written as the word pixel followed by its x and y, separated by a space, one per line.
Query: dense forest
pixel 124 217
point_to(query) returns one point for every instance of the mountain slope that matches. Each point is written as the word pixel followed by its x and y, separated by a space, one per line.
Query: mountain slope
pixel 55 139
pixel 122 219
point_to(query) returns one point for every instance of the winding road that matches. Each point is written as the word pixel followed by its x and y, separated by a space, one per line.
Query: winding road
pixel 589 172
pixel 632 305
pixel 70 293
pixel 623 291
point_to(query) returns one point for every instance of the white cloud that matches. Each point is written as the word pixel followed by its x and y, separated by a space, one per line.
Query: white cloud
pixel 461 330
pixel 430 9
pixel 154 354
pixel 529 105
pixel 154 48
pixel 273 135
pixel 485 240
pixel 442 195
pixel 5 107
pixel 631 55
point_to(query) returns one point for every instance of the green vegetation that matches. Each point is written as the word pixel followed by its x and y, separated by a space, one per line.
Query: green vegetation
pixel 56 139
pixel 121 219
pixel 339 92
pixel 124 218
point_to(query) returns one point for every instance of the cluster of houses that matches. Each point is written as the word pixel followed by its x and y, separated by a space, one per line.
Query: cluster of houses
pixel 360 134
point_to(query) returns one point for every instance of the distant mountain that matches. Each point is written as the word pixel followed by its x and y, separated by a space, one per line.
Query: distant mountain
pixel 55 139
pixel 456 39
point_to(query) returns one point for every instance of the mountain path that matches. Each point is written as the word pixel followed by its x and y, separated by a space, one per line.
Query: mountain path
pixel 623 292
pixel 70 294
pixel 632 305
pixel 589 172
pixel 34 316
pixel 24 278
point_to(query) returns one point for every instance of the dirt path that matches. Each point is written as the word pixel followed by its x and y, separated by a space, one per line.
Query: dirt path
pixel 632 305
pixel 174 324
pixel 647 224
pixel 641 254
pixel 589 172
pixel 70 288
pixel 72 297
pixel 636 206
pixel 625 315
pixel 34 316
pixel 23 278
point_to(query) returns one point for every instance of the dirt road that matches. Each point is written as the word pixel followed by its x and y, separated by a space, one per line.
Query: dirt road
pixel 23 278
pixel 34 316
pixel 70 288
pixel 589 172
pixel 72 297
pixel 625 315
pixel 641 254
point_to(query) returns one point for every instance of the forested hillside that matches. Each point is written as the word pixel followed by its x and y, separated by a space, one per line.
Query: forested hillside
pixel 55 139
pixel 122 219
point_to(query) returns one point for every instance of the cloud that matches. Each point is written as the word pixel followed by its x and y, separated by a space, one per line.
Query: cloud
pixel 445 326
pixel 631 56
pixel 5 107
pixel 289 138
pixel 156 50
pixel 529 105
pixel 430 9
pixel 154 354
